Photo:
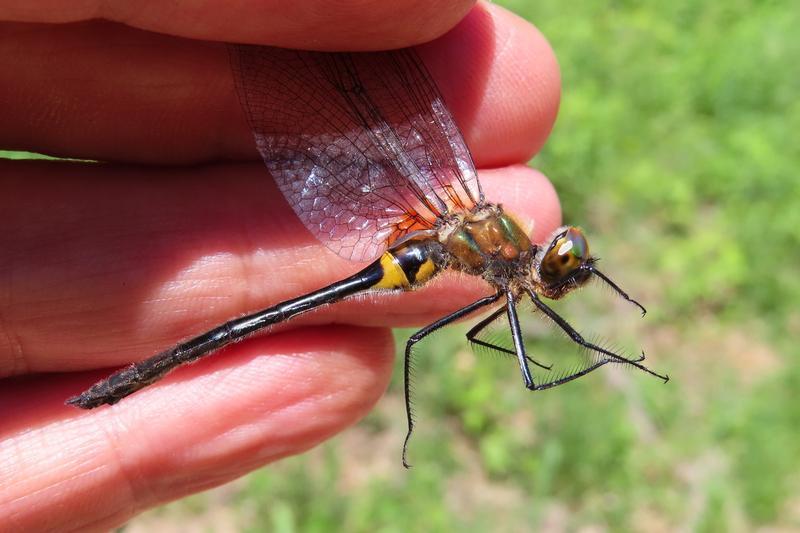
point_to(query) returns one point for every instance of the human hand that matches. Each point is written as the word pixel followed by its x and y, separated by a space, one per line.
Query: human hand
pixel 182 229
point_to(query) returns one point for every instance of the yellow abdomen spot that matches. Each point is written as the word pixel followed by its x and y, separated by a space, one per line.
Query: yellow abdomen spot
pixel 426 271
pixel 393 275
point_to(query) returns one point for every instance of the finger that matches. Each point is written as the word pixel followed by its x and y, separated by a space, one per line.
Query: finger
pixel 108 265
pixel 100 91
pixel 501 80
pixel 287 23
pixel 62 469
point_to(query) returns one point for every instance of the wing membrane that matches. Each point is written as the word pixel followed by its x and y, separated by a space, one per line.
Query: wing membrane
pixel 360 144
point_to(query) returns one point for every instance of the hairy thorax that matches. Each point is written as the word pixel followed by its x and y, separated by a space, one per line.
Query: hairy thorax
pixel 489 243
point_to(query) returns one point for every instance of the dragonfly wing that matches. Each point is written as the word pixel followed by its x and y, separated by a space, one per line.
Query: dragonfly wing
pixel 360 144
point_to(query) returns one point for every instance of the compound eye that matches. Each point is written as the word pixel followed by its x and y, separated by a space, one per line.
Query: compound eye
pixel 568 251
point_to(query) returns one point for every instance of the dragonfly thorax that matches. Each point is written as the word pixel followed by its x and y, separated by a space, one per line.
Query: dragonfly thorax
pixel 489 242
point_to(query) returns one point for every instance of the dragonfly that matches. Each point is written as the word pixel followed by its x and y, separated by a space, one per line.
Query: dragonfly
pixel 366 152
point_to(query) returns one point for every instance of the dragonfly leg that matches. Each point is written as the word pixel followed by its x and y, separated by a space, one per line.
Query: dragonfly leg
pixel 418 336
pixel 534 387
pixel 483 324
pixel 516 336
pixel 551 384
pixel 578 339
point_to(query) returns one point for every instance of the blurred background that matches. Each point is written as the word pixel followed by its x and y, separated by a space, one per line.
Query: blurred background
pixel 677 150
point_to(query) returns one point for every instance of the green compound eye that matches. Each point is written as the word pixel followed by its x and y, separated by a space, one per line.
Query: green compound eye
pixel 574 243
pixel 566 254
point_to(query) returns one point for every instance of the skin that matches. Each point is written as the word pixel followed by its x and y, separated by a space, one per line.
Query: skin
pixel 182 229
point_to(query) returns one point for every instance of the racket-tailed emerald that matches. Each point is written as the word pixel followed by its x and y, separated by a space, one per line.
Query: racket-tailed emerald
pixel 365 150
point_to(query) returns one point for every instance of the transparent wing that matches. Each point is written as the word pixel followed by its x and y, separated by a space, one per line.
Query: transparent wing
pixel 360 144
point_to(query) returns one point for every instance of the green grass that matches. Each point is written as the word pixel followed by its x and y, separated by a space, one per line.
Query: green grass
pixel 6 154
pixel 677 150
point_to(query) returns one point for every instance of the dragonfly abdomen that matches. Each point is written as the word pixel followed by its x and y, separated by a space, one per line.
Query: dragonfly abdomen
pixel 404 267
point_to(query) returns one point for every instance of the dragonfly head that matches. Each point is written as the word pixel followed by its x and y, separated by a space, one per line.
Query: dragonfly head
pixel 566 264
pixel 562 264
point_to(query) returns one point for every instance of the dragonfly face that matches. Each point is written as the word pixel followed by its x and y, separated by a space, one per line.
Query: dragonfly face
pixel 565 264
